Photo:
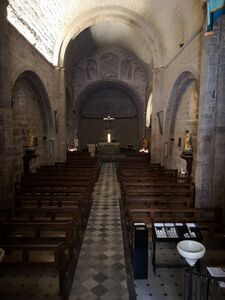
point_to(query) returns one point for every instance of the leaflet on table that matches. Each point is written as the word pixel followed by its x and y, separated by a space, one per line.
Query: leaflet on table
pixel 169 224
pixel 171 231
pixel 160 232
pixel 165 230
pixel 216 272
pixel 190 224
pixel 158 224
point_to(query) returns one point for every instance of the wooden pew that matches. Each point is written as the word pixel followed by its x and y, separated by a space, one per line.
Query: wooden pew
pixel 40 233
pixel 52 207
pixel 157 193
pixel 48 214
pixel 206 218
pixel 50 255
pixel 50 200
pixel 132 200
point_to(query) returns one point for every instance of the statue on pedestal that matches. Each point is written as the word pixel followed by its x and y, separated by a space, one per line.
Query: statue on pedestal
pixel 187 152
pixel 29 147
pixel 187 148
pixel 144 146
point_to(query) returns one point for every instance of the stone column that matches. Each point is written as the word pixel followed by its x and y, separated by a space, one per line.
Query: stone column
pixel 218 187
pixel 4 54
pixel 211 127
pixel 6 134
pixel 60 115
pixel 157 112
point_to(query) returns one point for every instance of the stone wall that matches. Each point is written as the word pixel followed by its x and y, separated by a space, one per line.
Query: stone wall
pixel 19 58
pixel 210 188
pixel 169 91
pixel 109 102
pixel 121 69
pixel 27 115
pixel 186 119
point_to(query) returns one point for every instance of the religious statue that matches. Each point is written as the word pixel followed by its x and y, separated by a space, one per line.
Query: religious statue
pixel 76 142
pixel 31 142
pixel 145 144
pixel 30 139
pixel 187 149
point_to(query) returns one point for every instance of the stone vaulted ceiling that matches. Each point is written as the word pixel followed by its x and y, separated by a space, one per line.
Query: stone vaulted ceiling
pixel 151 29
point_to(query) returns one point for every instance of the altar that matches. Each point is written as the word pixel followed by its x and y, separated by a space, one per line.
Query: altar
pixel 108 151
pixel 106 148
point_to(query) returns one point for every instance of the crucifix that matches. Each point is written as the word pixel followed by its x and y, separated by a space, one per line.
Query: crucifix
pixel 108 120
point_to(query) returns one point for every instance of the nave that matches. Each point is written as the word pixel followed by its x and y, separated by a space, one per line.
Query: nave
pixel 102 272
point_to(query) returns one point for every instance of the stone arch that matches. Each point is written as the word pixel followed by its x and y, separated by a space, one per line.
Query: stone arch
pixel 31 110
pixel 178 89
pixel 146 31
pixel 183 98
pixel 37 85
pixel 109 83
pixel 132 117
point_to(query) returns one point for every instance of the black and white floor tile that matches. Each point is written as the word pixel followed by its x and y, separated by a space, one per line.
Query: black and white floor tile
pixel 101 271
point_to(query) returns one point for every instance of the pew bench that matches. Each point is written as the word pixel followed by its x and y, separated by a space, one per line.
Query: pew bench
pixel 131 200
pixel 206 218
pixel 39 255
pixel 40 233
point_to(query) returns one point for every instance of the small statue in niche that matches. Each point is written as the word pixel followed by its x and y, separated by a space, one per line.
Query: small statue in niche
pixel 144 146
pixel 32 141
pixel 30 138
pixel 187 149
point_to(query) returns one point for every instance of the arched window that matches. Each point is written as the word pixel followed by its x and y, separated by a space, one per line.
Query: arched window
pixel 149 111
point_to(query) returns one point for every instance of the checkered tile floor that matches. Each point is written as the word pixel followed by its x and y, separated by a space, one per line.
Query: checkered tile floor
pixel 101 270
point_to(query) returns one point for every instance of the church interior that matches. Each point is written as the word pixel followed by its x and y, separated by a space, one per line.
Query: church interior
pixel 112 142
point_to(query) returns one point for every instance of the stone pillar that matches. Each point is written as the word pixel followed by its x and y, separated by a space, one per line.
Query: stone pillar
pixel 218 186
pixel 4 54
pixel 211 127
pixel 60 115
pixel 157 115
pixel 6 134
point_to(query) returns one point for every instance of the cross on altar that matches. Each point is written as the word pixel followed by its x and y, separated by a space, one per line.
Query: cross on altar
pixel 108 118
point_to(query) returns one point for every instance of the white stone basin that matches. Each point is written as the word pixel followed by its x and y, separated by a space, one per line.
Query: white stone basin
pixel 191 251
pixel 2 254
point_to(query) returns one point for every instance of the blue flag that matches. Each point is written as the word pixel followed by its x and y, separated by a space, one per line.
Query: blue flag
pixel 215 9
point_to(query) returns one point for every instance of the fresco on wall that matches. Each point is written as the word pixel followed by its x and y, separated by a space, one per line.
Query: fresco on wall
pixel 109 66
pixel 91 69
pixel 126 69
